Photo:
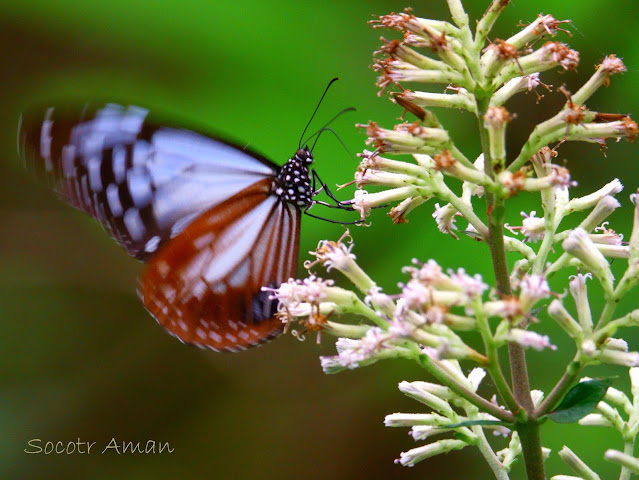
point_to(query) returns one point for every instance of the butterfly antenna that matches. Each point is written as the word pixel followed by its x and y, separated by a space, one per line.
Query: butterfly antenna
pixel 328 129
pixel 348 109
pixel 316 108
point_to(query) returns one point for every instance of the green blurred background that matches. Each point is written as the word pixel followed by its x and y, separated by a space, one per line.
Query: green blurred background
pixel 80 358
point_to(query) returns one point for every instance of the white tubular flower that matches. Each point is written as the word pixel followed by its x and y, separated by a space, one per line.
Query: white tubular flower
pixel 416 294
pixel 496 118
pixel 595 420
pixel 415 390
pixel 399 212
pixel 544 25
pixel 623 459
pixel 475 378
pixel 445 218
pixel 533 288
pixel 550 55
pixel 405 137
pixel 351 353
pixel 514 86
pixel 363 201
pixel 410 419
pixel 616 357
pixel 472 286
pixel 579 245
pixel 530 339
pixel 430 273
pixel 579 293
pixel 508 308
pixel 335 255
pixel 294 292
pixel 532 228
pixel 377 298
pixel 618 344
pixel 589 201
pixel 411 457
pixel 461 99
pixel 602 210
pixel 381 178
pixel 577 465
pixel 610 65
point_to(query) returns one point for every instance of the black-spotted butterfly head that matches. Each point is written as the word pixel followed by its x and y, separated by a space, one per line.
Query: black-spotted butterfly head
pixel 293 182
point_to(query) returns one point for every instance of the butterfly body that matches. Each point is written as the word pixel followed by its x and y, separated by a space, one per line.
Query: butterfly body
pixel 213 221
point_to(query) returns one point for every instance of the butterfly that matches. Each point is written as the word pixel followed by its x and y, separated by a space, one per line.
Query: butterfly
pixel 214 222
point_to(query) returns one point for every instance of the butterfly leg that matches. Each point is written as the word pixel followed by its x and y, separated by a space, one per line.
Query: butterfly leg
pixel 339 204
pixel 306 212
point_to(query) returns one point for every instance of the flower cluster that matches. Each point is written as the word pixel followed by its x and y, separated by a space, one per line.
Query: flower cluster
pixel 437 314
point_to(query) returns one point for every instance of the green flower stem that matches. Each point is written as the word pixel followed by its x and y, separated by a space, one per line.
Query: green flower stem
pixel 545 133
pixel 462 207
pixel 358 277
pixel 529 429
pixel 535 142
pixel 459 14
pixel 484 405
pixel 493 367
pixel 459 156
pixel 629 280
pixel 487 452
pixel 567 380
pixel 628 449
pixel 546 244
pixel 531 448
pixel 513 245
pixel 486 23
pixel 607 313
pixel 360 308
pixel 470 48
pixel 609 329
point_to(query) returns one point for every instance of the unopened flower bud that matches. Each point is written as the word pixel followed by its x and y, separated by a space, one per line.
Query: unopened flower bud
pixel 411 457
pixel 589 201
pixel 576 464
pixel 579 293
pixel 616 357
pixel 579 245
pixel 530 339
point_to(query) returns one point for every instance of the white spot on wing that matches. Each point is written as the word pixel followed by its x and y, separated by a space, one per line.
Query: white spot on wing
pixel 119 163
pixel 199 289
pixel 134 224
pixel 93 167
pixel 139 187
pixel 68 157
pixel 45 139
pixel 152 245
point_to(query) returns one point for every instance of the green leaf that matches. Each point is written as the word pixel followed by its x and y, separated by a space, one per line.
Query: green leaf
pixel 580 400
pixel 471 423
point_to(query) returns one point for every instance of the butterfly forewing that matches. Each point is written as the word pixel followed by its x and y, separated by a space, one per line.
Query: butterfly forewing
pixel 205 285
pixel 143 180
